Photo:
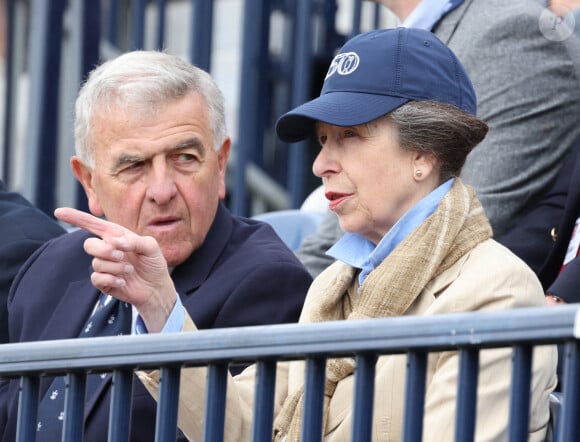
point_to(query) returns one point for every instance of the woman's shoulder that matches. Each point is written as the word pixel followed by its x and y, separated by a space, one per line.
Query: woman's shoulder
pixel 492 251
pixel 489 277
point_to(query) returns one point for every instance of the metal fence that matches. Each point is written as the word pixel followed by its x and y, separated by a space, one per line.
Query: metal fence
pixel 521 329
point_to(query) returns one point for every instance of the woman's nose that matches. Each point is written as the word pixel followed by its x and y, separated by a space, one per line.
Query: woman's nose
pixel 324 163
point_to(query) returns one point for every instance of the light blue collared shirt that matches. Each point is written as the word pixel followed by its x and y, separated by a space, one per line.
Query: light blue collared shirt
pixel 427 13
pixel 174 322
pixel 361 253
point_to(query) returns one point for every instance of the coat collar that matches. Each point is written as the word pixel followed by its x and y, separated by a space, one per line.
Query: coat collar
pixel 191 274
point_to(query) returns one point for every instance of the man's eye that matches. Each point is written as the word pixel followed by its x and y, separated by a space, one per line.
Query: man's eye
pixel 133 166
pixel 186 158
pixel 349 133
pixel 322 140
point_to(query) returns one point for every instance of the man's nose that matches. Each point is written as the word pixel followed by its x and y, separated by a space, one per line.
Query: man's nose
pixel 161 187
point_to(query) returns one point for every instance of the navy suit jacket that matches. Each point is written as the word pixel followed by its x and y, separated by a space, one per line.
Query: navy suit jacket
pixel 542 237
pixel 23 229
pixel 242 275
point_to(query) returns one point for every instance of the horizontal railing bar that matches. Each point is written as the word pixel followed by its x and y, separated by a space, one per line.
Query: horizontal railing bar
pixel 540 325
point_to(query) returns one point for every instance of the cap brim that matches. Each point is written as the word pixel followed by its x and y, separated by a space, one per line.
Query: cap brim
pixel 336 108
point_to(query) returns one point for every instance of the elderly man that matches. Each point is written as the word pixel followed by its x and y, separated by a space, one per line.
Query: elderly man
pixel 151 154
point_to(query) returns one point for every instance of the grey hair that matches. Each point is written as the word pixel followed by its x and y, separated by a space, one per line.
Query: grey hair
pixel 440 129
pixel 141 82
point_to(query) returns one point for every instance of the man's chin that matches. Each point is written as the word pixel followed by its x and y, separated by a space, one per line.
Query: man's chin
pixel 176 255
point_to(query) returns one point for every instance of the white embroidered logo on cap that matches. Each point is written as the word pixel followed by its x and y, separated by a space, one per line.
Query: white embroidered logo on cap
pixel 344 64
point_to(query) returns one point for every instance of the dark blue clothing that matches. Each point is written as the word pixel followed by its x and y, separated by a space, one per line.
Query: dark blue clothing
pixel 554 217
pixel 242 275
pixel 23 229
pixel 541 239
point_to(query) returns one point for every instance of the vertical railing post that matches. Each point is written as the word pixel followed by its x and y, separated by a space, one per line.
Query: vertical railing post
pixel 138 23
pixel 253 70
pixel 9 87
pixel 74 407
pixel 301 81
pixel 467 394
pixel 264 401
pixel 414 396
pixel 44 67
pixel 166 422
pixel 519 416
pixel 356 17
pixel 312 414
pixel 27 409
pixel 160 32
pixel 569 422
pixel 89 58
pixel 201 35
pixel 363 401
pixel 121 401
pixel 215 402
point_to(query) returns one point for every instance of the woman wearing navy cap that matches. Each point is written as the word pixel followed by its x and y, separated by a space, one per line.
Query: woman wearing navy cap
pixel 395 121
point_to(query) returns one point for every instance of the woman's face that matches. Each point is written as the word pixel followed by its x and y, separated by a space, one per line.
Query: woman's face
pixel 369 180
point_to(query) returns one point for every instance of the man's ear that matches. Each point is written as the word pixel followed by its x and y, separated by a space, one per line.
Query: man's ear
pixel 84 174
pixel 223 155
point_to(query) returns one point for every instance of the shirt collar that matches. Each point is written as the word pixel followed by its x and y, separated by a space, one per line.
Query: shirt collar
pixel 361 253
pixel 428 13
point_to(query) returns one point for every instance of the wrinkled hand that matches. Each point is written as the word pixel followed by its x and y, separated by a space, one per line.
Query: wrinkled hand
pixel 127 266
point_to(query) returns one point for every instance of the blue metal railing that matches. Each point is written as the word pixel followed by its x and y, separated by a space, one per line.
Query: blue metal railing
pixel 365 340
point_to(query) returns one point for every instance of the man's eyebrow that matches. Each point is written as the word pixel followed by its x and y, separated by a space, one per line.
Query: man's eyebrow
pixel 126 159
pixel 190 143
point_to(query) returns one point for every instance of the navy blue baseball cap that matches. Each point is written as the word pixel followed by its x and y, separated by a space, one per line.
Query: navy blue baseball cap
pixel 375 73
pixel 567 284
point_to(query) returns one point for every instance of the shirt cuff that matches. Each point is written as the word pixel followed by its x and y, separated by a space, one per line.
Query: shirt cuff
pixel 174 322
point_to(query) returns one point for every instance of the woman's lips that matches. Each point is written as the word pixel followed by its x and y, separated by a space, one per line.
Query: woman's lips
pixel 335 199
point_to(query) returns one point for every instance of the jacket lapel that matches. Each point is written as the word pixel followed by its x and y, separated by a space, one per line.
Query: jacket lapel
pixel 192 273
pixel 72 311
pixel 69 317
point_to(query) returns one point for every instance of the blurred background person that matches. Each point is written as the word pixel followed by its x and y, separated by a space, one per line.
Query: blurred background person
pixel 23 229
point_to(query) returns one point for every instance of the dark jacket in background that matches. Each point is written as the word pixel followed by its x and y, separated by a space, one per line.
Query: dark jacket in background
pixel 23 229
pixel 541 238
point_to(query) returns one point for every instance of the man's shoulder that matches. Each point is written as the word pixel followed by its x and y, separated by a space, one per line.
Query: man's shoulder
pixel 258 240
pixel 71 240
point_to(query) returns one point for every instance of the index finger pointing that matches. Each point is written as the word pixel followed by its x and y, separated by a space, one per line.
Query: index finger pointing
pixel 88 222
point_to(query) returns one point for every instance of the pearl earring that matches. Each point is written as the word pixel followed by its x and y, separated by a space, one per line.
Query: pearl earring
pixel 418 173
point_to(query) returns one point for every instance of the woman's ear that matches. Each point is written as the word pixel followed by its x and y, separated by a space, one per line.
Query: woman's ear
pixel 424 166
